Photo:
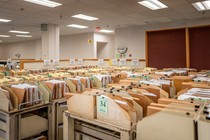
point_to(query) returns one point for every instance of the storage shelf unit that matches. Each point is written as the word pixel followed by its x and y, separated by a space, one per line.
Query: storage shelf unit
pixel 76 127
pixel 58 107
pixel 22 124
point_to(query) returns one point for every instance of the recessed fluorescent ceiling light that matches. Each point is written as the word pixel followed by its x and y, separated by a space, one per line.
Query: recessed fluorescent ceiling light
pixel 77 26
pixel 4 36
pixel 206 4
pixel 21 32
pixel 153 4
pixel 201 6
pixel 4 20
pixel 23 35
pixel 106 31
pixel 47 3
pixel 85 17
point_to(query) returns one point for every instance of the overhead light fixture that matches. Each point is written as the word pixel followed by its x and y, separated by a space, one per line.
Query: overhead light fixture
pixel 201 6
pixel 4 36
pixel 21 32
pixel 106 31
pixel 153 4
pixel 77 26
pixel 85 17
pixel 23 35
pixel 4 20
pixel 206 4
pixel 0 40
pixel 47 3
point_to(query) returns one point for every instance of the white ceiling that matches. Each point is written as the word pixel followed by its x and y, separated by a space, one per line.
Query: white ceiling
pixel 112 14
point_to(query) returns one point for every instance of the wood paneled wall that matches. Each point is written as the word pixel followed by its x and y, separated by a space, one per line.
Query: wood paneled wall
pixel 166 48
pixel 199 40
pixel 181 47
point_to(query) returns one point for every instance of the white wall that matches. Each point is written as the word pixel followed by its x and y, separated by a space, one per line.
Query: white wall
pixel 74 46
pixel 2 52
pixel 71 46
pixel 109 49
pixel 27 49
pixel 77 46
pixel 134 37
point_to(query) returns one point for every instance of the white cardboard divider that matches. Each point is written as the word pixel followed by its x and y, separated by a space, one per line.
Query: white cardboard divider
pixel 72 62
pixel 114 62
pixel 47 63
pixel 122 62
pixel 100 62
pixel 135 62
pixel 66 63
pixel 80 62
pixel 55 62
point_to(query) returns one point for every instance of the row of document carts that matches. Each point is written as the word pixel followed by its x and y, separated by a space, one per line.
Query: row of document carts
pixel 105 103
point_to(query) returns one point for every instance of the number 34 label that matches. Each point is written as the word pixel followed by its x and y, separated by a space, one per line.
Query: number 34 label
pixel 102 104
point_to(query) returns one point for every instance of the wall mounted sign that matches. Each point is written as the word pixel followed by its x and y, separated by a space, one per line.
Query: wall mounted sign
pixel 122 62
pixel 55 62
pixel 47 63
pixel 114 62
pixel 90 41
pixel 100 62
pixel 135 62
pixel 80 62
pixel 72 62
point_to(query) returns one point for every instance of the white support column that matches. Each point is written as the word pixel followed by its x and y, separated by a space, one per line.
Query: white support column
pixel 51 42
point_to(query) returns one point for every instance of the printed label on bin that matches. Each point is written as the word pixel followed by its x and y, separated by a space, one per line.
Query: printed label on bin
pixel 102 104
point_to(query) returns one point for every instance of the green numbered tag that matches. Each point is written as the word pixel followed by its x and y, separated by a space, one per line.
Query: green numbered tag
pixel 102 104
pixel 7 73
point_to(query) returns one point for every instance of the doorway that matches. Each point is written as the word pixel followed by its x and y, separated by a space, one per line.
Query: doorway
pixel 102 50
